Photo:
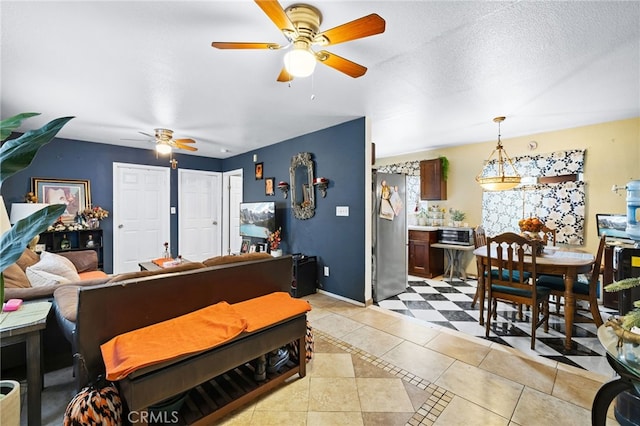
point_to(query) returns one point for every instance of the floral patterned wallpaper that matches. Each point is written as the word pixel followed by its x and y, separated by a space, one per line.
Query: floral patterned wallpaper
pixel 559 205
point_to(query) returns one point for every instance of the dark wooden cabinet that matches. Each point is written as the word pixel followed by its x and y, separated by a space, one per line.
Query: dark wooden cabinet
pixel 433 186
pixel 425 261
pixel 86 239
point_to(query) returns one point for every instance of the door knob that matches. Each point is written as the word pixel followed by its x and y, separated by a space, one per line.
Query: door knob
pixel 121 226
pixel 215 222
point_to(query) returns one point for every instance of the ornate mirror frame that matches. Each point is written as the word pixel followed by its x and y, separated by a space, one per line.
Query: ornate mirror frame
pixel 303 201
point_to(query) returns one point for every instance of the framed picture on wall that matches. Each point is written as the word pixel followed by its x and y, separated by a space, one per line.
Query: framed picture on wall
pixel 75 193
pixel 244 248
pixel 259 170
pixel 269 186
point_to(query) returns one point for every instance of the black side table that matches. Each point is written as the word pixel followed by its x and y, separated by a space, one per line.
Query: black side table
pixel 629 380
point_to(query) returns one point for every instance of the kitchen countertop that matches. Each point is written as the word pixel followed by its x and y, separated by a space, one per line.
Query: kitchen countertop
pixel 422 228
pixel 435 228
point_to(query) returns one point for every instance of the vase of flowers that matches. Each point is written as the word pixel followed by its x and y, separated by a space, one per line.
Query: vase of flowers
pixel 274 240
pixel 93 216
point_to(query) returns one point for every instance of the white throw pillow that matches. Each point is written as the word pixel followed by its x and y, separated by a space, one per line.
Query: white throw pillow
pixel 56 265
pixel 39 278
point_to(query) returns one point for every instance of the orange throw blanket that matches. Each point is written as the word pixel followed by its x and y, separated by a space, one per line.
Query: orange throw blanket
pixel 187 334
pixel 263 311
pixel 195 332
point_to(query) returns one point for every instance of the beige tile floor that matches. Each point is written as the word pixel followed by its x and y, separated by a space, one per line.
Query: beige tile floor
pixel 374 367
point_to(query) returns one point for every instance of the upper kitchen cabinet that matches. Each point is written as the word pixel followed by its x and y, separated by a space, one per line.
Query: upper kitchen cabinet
pixel 433 185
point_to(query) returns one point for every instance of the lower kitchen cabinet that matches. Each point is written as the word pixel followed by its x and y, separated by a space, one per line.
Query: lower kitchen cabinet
pixel 425 261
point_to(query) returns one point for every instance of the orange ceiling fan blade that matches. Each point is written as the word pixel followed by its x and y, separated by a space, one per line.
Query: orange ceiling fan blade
pixel 184 140
pixel 363 27
pixel 284 76
pixel 341 64
pixel 185 147
pixel 241 45
pixel 276 13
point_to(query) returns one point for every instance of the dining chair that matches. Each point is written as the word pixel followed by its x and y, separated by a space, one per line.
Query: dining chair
pixel 512 279
pixel 583 289
pixel 548 234
pixel 479 240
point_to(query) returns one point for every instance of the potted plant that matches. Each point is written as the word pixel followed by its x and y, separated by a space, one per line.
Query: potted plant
pixel 15 155
pixel 445 167
pixel 457 216
pixel 422 216
pixel 627 328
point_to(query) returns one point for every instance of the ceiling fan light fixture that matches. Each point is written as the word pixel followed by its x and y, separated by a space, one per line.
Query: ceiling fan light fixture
pixel 163 148
pixel 300 62
pixel 496 178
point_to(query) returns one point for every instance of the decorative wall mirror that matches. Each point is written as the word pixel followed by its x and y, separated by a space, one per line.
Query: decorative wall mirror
pixel 303 201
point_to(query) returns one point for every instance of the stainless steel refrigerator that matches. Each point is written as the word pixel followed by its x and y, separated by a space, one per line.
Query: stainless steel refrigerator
pixel 389 236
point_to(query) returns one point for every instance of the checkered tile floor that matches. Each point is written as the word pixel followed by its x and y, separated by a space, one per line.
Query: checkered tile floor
pixel 449 305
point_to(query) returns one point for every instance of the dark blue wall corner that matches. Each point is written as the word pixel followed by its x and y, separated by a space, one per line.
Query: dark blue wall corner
pixel 338 242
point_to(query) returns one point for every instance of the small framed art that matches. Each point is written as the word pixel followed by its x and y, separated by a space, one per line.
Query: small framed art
pixel 269 186
pixel 244 248
pixel 259 171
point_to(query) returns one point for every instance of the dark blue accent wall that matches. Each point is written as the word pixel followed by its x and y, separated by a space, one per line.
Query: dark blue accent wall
pixel 71 159
pixel 338 242
pixel 338 154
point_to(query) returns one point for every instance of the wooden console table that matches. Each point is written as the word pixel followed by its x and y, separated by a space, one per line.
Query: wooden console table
pixel 25 325
pixel 150 266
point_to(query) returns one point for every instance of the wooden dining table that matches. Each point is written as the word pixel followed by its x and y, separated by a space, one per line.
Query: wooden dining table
pixel 553 261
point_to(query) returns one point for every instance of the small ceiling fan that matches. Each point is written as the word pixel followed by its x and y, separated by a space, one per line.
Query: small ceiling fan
pixel 165 143
pixel 300 24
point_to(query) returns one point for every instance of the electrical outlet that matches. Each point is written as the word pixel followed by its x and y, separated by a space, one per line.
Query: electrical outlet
pixel 326 271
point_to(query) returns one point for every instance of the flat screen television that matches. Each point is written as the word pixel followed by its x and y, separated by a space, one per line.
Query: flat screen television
pixel 612 225
pixel 257 219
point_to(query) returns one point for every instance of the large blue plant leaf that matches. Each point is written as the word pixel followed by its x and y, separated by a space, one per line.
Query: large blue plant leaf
pixel 14 241
pixel 10 124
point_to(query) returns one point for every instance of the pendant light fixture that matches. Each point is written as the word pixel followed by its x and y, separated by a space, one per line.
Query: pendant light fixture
pixel 500 174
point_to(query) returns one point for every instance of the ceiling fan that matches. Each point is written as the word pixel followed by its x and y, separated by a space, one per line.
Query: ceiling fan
pixel 165 143
pixel 300 24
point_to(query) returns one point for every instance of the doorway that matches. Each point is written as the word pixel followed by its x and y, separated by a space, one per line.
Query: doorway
pixel 199 214
pixel 231 199
pixel 141 219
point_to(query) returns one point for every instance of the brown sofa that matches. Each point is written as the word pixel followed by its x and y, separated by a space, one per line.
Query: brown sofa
pixel 65 305
pixel 18 285
pixel 108 310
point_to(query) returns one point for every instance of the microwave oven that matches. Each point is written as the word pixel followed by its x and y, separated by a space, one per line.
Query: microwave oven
pixel 458 236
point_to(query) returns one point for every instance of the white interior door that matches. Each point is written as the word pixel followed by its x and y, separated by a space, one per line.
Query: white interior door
pixel 232 198
pixel 141 207
pixel 199 214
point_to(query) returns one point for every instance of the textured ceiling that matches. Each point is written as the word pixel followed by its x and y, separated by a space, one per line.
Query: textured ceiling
pixel 436 77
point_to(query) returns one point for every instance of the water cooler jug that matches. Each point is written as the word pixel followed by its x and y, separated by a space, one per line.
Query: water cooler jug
pixel 633 211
